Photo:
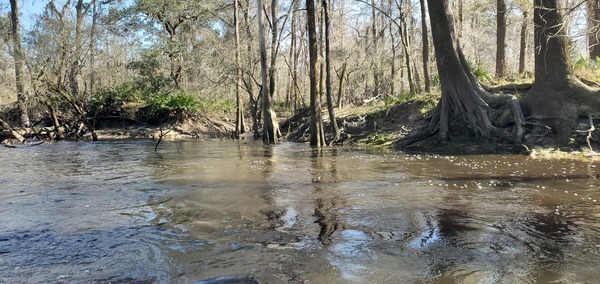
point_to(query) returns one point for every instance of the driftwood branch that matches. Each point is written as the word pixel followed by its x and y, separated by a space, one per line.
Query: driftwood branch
pixel 13 134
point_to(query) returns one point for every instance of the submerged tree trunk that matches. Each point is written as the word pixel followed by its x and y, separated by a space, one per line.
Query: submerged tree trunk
pixel 19 62
pixel 462 95
pixel 557 97
pixel 500 38
pixel 270 126
pixel 316 122
pixel 239 113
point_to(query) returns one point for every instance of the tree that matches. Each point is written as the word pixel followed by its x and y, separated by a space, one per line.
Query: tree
pixel 425 38
pixel 19 57
pixel 500 38
pixel 239 113
pixel 593 21
pixel 334 126
pixel 172 16
pixel 463 98
pixel 523 42
pixel 270 126
pixel 317 137
pixel 557 98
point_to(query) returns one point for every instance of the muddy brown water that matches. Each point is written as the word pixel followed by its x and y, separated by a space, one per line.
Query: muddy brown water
pixel 118 212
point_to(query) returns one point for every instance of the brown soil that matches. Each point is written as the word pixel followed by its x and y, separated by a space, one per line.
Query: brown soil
pixel 359 125
pixel 396 126
pixel 194 128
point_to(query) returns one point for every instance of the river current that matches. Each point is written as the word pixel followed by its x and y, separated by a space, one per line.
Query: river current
pixel 119 212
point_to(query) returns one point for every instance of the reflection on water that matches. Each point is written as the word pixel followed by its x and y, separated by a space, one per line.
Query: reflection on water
pixel 290 214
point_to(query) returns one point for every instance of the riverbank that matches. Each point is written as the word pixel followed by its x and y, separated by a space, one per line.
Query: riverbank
pixel 395 126
pixel 195 128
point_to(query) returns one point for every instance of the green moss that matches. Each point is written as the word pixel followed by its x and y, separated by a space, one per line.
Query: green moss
pixel 377 139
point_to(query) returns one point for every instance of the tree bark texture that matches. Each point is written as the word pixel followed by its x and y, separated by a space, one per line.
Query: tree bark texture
pixel 462 95
pixel 523 42
pixel 425 38
pixel 557 97
pixel 334 126
pixel 500 38
pixel 593 21
pixel 270 126
pixel 316 121
pixel 240 127
pixel 19 57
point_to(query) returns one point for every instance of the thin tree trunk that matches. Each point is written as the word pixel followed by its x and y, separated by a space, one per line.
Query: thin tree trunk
pixel 500 37
pixel 93 48
pixel 274 50
pixel 19 62
pixel 270 126
pixel 406 46
pixel 334 126
pixel 340 94
pixel 523 43
pixel 76 63
pixel 405 40
pixel 316 122
pixel 593 28
pixel 425 39
pixel 376 54
pixel 294 54
pixel 239 114
pixel 250 86
pixel 460 18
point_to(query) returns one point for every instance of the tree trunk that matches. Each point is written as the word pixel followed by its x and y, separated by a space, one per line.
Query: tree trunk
pixel 334 126
pixel 249 79
pixel 593 20
pixel 462 95
pixel 19 62
pixel 316 122
pixel 342 79
pixel 240 128
pixel 425 39
pixel 270 126
pixel 523 43
pixel 405 40
pixel 500 38
pixel 376 55
pixel 274 51
pixel 76 57
pixel 93 48
pixel 557 97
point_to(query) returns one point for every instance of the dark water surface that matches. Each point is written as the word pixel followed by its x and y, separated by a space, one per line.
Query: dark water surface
pixel 119 212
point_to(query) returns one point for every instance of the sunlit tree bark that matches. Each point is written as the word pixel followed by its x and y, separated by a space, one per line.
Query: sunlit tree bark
pixel 19 57
pixel 557 96
pixel 463 98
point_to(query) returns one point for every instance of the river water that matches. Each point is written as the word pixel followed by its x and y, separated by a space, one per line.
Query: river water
pixel 119 212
